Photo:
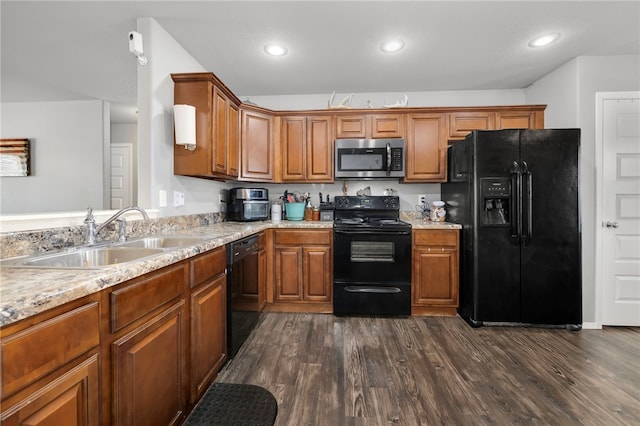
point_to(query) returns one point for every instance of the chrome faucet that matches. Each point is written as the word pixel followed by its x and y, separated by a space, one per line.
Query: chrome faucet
pixel 92 230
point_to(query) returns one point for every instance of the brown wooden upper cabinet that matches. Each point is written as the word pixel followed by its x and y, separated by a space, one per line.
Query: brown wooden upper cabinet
pixel 426 147
pixel 462 122
pixel 306 144
pixel 361 126
pixel 248 143
pixel 257 145
pixel 217 127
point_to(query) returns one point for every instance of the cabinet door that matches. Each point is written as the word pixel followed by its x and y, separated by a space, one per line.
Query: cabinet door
pixel 148 366
pixel 426 146
pixel 387 125
pixel 288 274
pixel 462 123
pixel 71 399
pixel 220 131
pixel 317 277
pixel 435 277
pixel 294 137
pixel 256 145
pixel 208 334
pixel 199 162
pixel 351 126
pixel 516 120
pixel 319 149
pixel 233 140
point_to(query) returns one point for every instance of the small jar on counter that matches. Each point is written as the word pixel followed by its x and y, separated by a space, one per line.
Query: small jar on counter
pixel 316 213
pixel 438 213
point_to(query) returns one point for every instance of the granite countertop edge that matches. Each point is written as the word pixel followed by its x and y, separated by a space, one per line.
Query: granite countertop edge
pixel 25 292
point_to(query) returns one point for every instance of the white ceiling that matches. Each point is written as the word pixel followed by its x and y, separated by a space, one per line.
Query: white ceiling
pixel 54 50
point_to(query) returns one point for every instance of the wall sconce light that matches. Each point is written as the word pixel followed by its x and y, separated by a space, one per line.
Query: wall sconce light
pixel 184 118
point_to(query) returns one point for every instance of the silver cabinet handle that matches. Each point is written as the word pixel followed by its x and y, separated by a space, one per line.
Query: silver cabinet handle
pixel 610 224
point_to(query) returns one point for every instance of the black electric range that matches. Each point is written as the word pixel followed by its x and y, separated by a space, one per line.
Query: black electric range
pixel 372 257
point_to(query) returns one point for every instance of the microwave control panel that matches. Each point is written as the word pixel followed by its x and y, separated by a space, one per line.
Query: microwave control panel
pixel 396 159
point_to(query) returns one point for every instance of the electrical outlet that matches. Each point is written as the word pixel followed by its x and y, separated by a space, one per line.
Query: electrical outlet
pixel 178 198
pixel 422 200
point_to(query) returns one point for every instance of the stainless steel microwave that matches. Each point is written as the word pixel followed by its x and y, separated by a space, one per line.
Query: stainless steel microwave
pixel 369 158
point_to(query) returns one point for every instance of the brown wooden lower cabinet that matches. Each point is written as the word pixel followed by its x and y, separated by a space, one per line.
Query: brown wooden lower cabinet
pixel 208 337
pixel 71 398
pixel 303 274
pixel 149 371
pixel 50 367
pixel 435 274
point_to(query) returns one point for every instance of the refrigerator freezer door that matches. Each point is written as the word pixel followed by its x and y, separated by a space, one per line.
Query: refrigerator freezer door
pixel 551 281
pixel 497 258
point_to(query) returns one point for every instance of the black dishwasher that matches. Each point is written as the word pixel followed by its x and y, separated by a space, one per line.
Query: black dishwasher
pixel 243 311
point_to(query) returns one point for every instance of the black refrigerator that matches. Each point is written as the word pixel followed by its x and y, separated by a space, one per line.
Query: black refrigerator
pixel 515 193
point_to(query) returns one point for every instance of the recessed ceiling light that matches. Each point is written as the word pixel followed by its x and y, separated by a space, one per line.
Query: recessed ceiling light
pixel 275 50
pixel 544 40
pixel 392 45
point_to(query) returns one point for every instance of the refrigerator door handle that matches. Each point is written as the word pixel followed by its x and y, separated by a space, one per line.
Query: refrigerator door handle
pixel 526 238
pixel 516 191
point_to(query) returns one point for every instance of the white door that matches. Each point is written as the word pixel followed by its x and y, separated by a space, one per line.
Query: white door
pixel 121 175
pixel 620 207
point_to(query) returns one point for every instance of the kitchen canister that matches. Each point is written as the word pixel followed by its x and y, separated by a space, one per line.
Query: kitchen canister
pixel 295 211
pixel 438 212
pixel 276 213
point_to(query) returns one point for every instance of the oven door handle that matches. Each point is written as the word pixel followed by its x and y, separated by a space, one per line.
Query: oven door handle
pixel 369 232
pixel 371 289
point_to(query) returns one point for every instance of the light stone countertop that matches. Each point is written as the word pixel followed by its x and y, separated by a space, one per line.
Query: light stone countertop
pixel 28 291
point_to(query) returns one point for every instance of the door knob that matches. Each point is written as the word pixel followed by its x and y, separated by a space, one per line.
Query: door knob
pixel 610 224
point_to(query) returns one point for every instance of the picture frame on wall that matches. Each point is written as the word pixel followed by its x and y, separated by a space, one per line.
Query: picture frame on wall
pixel 15 157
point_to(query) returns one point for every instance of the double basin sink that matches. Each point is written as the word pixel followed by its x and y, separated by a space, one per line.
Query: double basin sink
pixel 92 257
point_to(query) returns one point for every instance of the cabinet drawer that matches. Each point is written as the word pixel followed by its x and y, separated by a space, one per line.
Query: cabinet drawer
pixel 208 265
pixel 143 296
pixel 36 351
pixel 435 238
pixel 303 237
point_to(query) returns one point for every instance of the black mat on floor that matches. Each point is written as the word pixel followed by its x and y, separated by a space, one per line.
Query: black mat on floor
pixel 234 404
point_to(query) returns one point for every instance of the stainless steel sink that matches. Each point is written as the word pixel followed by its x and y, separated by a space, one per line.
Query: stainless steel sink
pixel 84 258
pixel 163 242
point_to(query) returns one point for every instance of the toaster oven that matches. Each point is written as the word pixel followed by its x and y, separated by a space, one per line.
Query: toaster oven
pixel 248 204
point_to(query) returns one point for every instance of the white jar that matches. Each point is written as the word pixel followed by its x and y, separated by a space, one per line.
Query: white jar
pixel 438 212
pixel 276 213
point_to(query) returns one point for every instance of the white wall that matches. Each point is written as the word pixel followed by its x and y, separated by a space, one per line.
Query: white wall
pixel 416 99
pixel 67 156
pixel 569 93
pixel 155 127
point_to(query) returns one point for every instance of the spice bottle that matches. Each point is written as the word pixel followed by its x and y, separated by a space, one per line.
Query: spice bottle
pixel 316 213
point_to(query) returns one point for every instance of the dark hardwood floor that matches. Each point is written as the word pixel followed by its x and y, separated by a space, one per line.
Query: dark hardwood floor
pixel 325 370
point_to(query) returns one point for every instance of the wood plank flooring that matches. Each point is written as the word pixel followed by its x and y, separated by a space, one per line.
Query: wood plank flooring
pixel 325 370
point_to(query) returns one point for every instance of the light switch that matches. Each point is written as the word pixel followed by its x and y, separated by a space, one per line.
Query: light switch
pixel 162 198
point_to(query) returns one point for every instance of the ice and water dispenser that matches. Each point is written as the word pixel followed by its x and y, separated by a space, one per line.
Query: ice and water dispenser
pixel 496 201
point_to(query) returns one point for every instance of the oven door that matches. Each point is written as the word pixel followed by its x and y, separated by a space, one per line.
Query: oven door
pixel 254 210
pixel 372 256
